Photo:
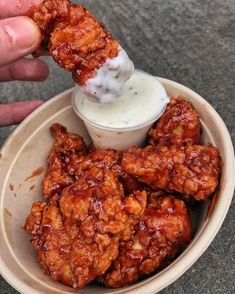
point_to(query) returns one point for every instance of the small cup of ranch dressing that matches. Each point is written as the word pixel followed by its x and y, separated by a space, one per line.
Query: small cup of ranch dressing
pixel 126 121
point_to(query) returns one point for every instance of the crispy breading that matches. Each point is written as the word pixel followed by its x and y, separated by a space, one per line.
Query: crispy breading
pixel 76 235
pixel 68 150
pixel 108 159
pixel 191 170
pixel 179 125
pixel 163 232
pixel 74 38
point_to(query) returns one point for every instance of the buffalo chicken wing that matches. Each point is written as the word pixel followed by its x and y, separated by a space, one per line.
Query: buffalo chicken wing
pixel 191 170
pixel 74 38
pixel 77 235
pixel 68 150
pixel 163 231
pixel 179 125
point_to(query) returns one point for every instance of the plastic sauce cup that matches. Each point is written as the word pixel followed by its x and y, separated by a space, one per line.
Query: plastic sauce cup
pixel 122 138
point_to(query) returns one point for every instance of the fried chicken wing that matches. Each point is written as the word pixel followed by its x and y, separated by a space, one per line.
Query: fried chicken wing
pixel 100 159
pixel 68 150
pixel 69 142
pixel 191 170
pixel 51 241
pixel 180 124
pixel 77 235
pixel 81 44
pixel 74 38
pixel 109 159
pixel 163 232
pixel 111 212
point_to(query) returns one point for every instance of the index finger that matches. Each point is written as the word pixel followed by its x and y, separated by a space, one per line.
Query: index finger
pixel 18 7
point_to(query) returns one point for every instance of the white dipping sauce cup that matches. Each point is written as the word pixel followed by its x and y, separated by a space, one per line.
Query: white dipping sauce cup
pixel 119 138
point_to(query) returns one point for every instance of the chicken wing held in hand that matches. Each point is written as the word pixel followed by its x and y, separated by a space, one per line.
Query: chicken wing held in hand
pixel 163 232
pixel 81 44
pixel 179 125
pixel 191 170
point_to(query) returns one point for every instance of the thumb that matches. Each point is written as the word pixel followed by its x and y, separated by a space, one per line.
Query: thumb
pixel 19 36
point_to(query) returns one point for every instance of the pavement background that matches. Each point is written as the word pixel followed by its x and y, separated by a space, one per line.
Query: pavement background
pixel 188 41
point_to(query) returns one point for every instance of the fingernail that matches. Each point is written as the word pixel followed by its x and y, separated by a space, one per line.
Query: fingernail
pixel 22 32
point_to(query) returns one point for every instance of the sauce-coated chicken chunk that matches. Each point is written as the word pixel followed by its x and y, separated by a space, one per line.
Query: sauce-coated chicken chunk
pixel 74 38
pixel 163 232
pixel 108 159
pixel 191 170
pixel 179 124
pixel 68 150
pixel 77 235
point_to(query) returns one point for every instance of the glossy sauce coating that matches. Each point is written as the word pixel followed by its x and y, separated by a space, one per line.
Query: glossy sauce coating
pixel 108 159
pixel 68 161
pixel 191 170
pixel 180 124
pixel 77 235
pixel 163 231
pixel 82 45
pixel 74 38
pixel 68 150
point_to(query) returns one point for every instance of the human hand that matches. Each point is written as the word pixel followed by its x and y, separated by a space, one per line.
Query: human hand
pixel 19 36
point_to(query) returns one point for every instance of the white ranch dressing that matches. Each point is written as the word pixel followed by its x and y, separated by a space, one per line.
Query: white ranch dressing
pixel 143 100
pixel 110 78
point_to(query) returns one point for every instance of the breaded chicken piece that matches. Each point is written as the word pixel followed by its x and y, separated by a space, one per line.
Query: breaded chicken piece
pixel 109 159
pixel 68 150
pixel 163 232
pixel 100 159
pixel 74 38
pixel 51 241
pixel 179 125
pixel 77 235
pixel 191 170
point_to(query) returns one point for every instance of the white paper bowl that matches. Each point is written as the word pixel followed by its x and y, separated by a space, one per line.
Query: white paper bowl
pixel 26 151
